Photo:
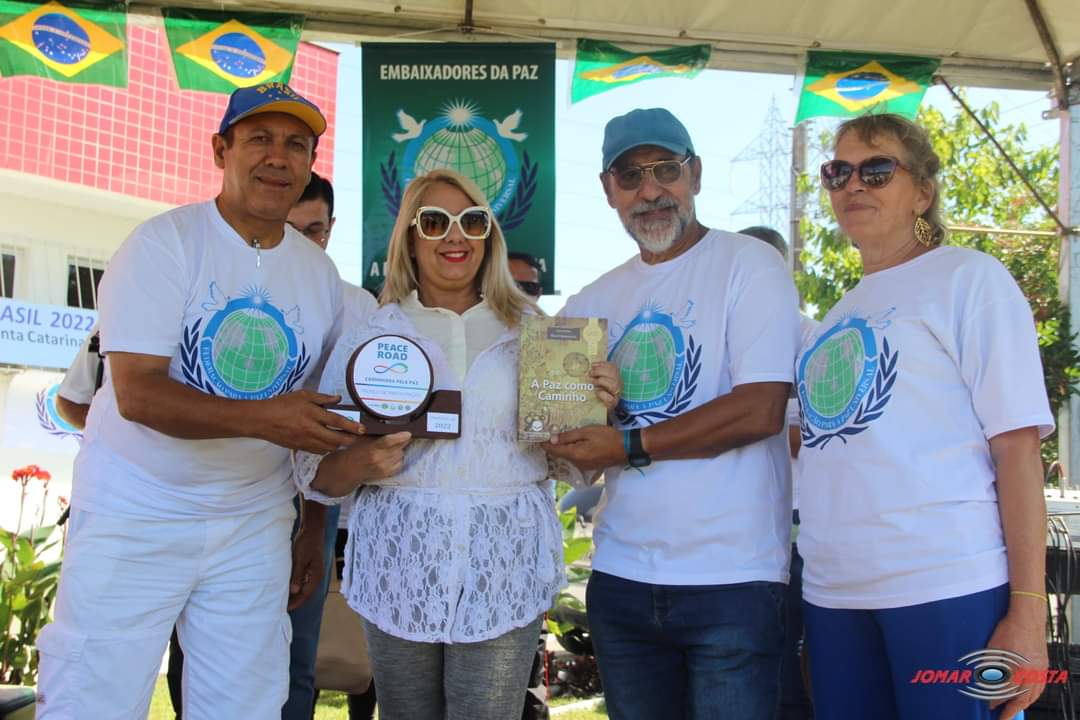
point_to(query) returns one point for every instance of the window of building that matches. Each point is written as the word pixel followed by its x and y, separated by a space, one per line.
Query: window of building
pixel 84 274
pixel 7 272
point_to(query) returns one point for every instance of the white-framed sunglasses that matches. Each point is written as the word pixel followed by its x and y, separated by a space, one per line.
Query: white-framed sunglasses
pixel 434 223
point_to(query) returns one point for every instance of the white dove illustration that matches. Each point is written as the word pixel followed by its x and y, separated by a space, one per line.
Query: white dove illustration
pixel 409 125
pixel 507 126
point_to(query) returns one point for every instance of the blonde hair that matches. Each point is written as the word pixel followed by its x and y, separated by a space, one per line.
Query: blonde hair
pixel 921 158
pixel 493 280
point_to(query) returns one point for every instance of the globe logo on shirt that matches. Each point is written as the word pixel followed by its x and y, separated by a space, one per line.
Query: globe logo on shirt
pixel 248 350
pixel 49 417
pixel 649 355
pixel 844 382
pixel 659 367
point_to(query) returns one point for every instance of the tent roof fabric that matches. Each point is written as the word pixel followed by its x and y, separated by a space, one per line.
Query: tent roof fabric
pixel 983 42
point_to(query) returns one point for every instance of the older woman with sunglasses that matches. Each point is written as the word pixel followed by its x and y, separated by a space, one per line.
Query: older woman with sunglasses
pixel 456 554
pixel 923 404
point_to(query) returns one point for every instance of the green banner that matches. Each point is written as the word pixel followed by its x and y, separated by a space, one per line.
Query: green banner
pixel 220 52
pixel 601 66
pixel 486 110
pixel 840 84
pixel 69 42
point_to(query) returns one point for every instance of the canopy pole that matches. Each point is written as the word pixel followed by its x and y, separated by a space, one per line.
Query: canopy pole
pixel 1051 53
pixel 1069 279
pixel 1023 178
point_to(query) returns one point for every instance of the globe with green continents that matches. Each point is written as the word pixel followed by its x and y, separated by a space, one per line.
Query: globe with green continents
pixel 646 357
pixel 833 372
pixel 250 349
pixel 468 150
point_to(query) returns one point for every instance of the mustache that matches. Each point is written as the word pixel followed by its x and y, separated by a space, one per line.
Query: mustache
pixel 651 205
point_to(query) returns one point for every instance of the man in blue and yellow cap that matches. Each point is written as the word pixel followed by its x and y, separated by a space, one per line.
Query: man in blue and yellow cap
pixel 213 318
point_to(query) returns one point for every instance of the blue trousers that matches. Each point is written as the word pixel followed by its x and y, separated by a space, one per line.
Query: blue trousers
pixel 862 662
pixel 687 652
pixel 306 621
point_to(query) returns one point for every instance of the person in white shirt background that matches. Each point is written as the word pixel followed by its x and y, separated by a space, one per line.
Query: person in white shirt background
pixel 455 555
pixel 923 519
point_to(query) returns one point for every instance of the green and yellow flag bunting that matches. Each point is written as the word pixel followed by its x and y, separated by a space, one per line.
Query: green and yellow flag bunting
pixel 602 66
pixel 220 52
pixel 70 42
pixel 841 84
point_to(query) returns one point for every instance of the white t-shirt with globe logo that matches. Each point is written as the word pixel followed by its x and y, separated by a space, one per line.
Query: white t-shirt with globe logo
pixel 902 386
pixel 237 323
pixel 683 333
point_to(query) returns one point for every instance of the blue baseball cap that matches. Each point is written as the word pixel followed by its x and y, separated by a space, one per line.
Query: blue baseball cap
pixel 272 97
pixel 655 126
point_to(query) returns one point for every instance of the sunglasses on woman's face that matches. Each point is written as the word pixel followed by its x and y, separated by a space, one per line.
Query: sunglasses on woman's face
pixel 434 223
pixel 874 172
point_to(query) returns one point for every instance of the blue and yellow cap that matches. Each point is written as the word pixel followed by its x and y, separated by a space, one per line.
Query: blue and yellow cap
pixel 272 97
pixel 655 126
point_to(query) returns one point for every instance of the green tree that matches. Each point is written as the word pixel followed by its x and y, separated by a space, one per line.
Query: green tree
pixel 978 188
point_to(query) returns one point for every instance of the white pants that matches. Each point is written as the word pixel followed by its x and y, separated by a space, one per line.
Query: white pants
pixel 124 584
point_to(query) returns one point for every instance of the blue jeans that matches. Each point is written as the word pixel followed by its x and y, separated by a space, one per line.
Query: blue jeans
pixel 687 652
pixel 306 621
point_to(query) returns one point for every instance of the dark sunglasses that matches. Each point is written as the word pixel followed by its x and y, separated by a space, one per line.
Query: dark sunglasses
pixel 874 172
pixel 664 172
pixel 530 288
pixel 434 223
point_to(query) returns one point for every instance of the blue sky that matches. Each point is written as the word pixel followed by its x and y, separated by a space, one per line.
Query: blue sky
pixel 724 112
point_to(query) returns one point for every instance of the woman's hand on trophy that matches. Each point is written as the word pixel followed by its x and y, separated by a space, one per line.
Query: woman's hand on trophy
pixel 607 382
pixel 377 458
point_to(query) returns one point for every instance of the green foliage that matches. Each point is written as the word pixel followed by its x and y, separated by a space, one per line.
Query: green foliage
pixel 575 548
pixel 27 588
pixel 978 189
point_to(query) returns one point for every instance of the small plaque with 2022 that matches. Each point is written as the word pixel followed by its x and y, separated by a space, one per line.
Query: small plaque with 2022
pixel 390 380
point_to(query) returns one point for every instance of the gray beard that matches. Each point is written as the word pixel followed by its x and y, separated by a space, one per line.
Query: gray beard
pixel 658 238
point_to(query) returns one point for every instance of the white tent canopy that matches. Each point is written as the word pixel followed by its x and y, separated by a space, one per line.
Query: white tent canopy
pixel 983 42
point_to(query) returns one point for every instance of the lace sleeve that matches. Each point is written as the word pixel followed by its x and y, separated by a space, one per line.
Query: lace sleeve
pixel 332 382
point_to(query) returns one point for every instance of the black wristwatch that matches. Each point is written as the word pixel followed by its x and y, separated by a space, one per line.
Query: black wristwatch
pixel 635 453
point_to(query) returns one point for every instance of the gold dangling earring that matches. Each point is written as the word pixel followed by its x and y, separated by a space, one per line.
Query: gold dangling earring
pixel 924 231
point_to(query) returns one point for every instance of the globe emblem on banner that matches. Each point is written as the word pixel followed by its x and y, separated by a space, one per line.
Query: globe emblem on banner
pixel 471 152
pixel 60 38
pixel 246 351
pixel 650 357
pixel 837 372
pixel 238 54
pixel 460 139
pixel 862 85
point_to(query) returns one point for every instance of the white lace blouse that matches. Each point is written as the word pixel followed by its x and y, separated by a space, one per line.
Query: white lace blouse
pixel 463 544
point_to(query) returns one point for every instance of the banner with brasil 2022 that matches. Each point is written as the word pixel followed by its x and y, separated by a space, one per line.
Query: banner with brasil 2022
pixel 484 110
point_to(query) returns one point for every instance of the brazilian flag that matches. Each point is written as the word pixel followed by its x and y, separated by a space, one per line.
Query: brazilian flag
pixel 601 66
pixel 220 52
pixel 842 84
pixel 69 42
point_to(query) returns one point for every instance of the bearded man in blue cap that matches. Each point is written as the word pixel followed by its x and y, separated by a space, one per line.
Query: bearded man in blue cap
pixel 213 316
pixel 686 596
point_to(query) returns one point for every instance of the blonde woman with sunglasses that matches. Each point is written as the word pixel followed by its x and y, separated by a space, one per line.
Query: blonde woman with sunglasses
pixel 455 556
pixel 923 520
